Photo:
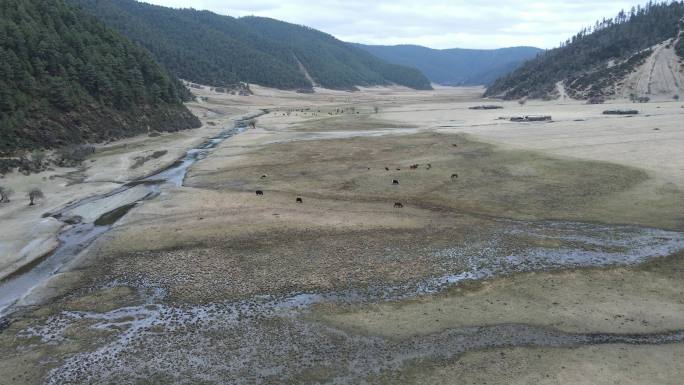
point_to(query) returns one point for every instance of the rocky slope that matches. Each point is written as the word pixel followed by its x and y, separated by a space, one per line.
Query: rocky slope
pixel 635 53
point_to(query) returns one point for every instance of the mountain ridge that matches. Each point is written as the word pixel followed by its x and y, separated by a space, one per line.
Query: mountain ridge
pixel 455 66
pixel 250 49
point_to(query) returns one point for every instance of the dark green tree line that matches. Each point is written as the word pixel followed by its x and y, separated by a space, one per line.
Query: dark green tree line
pixel 63 71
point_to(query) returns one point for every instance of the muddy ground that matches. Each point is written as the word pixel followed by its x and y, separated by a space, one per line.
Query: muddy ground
pixel 507 262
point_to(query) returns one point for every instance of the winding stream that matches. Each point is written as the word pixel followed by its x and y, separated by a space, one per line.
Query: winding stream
pixel 74 238
pixel 271 336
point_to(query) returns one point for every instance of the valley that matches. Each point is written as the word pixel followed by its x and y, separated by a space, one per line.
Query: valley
pixel 546 252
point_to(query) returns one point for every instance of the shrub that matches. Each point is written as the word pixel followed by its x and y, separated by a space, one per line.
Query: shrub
pixel 5 194
pixel 639 99
pixel 74 155
pixel 34 194
pixel 37 158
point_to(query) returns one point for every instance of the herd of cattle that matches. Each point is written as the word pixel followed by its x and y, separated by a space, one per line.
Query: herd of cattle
pixel 395 182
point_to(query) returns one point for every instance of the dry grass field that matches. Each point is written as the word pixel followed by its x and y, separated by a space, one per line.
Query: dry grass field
pixel 505 253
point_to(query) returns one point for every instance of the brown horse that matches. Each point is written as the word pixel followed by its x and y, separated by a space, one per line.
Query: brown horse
pixel 259 192
pixel 398 205
pixel 299 200
pixel 395 182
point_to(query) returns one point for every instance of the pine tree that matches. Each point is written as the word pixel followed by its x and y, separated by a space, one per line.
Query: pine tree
pixel 63 73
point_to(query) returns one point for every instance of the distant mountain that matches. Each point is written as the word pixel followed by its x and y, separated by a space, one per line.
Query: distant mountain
pixel 455 66
pixel 66 78
pixel 203 47
pixel 606 60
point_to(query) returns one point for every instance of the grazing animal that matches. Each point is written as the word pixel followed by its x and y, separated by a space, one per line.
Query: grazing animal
pixel 386 168
pixel 299 200
pixel 455 145
pixel 395 182
pixel 264 176
pixel 259 192
pixel 398 205
pixel 414 166
pixel 429 166
pixel 398 169
pixel 454 176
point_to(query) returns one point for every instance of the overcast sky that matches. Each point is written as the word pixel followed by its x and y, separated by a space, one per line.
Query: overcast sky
pixel 436 24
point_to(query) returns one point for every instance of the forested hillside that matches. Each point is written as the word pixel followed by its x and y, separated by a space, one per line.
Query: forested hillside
pixel 333 63
pixel 680 43
pixel 456 66
pixel 207 48
pixel 595 58
pixel 66 78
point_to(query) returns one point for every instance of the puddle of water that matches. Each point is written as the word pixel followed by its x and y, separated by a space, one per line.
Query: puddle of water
pixel 109 218
pixel 147 182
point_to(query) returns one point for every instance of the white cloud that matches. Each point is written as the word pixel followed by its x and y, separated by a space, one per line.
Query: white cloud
pixel 437 23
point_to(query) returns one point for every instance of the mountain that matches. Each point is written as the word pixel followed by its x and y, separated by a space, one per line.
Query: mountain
pixel 206 48
pixel 455 66
pixel 615 57
pixel 66 78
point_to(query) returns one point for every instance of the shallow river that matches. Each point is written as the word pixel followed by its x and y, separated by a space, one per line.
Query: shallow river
pixel 76 237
